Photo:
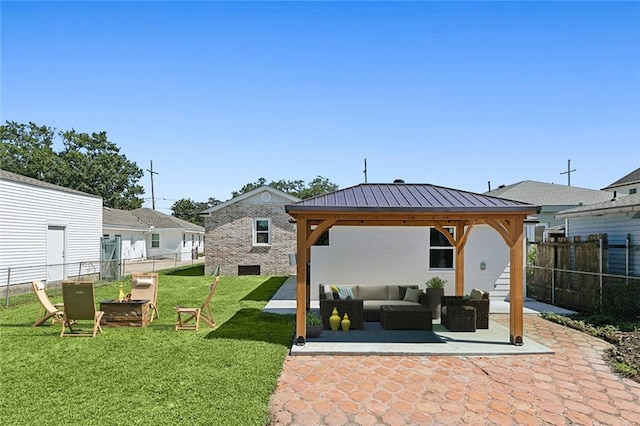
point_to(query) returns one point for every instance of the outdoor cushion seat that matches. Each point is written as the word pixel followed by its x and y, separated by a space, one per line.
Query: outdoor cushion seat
pixel 459 318
pixel 373 296
pixel 480 302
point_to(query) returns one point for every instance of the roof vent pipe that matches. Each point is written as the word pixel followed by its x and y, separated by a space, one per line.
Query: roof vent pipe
pixel 398 181
pixel 615 196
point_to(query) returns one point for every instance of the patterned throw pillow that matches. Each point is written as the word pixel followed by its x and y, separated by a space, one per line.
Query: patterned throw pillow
pixel 345 293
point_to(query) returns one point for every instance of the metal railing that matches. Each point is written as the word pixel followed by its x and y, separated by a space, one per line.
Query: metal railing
pixel 15 281
pixel 586 292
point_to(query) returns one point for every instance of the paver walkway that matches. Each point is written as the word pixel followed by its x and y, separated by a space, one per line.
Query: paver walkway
pixel 572 386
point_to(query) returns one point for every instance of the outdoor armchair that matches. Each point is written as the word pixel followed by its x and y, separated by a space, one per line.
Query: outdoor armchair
pixel 79 305
pixel 481 305
pixel 52 311
pixel 187 316
pixel 144 286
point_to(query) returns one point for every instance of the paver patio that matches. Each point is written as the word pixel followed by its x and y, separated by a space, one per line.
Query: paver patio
pixel 572 386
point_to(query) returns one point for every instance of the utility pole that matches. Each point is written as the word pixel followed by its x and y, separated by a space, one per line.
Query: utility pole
pixel 568 172
pixel 153 197
pixel 365 170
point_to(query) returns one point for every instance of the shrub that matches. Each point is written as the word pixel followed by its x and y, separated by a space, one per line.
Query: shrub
pixel 436 282
pixel 313 319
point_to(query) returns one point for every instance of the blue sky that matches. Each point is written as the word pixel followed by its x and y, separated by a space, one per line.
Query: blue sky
pixel 219 94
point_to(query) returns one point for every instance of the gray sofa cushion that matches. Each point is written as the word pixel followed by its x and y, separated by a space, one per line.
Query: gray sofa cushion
pixel 373 292
pixel 372 305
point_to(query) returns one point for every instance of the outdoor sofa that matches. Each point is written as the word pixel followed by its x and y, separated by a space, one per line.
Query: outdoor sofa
pixel 372 296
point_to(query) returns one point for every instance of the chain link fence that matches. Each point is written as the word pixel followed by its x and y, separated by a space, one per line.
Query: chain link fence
pixel 15 282
pixel 586 292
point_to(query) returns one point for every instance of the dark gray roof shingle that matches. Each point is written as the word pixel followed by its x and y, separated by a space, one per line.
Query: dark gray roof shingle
pixel 35 182
pixel 632 177
pixel 550 194
pixel 626 203
pixel 162 220
pixel 116 218
pixel 407 197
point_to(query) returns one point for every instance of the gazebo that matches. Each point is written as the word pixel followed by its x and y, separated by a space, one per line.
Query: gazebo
pixel 401 204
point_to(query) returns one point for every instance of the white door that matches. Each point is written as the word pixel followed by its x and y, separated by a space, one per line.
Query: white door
pixel 55 253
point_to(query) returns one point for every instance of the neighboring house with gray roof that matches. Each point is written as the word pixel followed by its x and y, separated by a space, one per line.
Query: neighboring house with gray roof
pixel 124 225
pixel 617 217
pixel 552 198
pixel 251 234
pixel 44 228
pixel 628 184
pixel 170 236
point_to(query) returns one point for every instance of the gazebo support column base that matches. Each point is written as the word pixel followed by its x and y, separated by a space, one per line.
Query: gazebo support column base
pixel 517 341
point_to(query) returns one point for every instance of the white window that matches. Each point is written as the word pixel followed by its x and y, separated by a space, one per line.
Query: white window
pixel 155 240
pixel 440 250
pixel 262 232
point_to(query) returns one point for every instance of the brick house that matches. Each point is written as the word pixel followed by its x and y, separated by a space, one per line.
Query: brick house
pixel 251 234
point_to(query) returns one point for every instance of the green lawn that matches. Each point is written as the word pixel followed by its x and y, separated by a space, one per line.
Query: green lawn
pixel 152 375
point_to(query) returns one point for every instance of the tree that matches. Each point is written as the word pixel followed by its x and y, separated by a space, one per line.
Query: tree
pixel 297 188
pixel 95 165
pixel 88 162
pixel 189 210
pixel 318 186
pixel 249 187
pixel 27 149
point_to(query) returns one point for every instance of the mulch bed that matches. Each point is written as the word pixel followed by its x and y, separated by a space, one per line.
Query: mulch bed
pixel 627 350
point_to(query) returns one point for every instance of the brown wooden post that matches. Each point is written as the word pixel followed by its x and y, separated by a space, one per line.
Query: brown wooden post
pixel 460 240
pixel 301 280
pixel 307 271
pixel 516 299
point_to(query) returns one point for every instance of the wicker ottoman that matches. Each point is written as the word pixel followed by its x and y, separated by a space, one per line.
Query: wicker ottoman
pixel 405 317
pixel 459 318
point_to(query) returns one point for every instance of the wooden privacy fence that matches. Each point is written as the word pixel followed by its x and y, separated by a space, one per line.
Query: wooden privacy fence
pixel 573 273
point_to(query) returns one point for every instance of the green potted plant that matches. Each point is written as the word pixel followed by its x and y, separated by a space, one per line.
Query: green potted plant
pixel 434 291
pixel 314 324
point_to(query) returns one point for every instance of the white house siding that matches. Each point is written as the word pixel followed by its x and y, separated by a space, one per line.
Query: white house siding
pixel 616 226
pixel 170 243
pixel 132 244
pixel 486 246
pixel 400 255
pixel 26 212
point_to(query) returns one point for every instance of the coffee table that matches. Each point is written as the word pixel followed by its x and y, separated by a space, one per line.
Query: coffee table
pixel 128 313
pixel 394 317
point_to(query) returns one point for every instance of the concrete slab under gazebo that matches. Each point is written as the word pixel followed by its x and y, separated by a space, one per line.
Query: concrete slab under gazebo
pixel 401 204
